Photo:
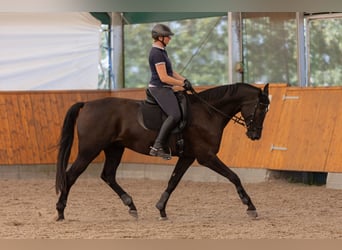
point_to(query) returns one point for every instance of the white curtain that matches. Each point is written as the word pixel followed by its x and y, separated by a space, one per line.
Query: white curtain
pixel 49 51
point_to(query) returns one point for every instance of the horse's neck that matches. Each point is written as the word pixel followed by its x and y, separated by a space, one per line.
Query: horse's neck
pixel 231 108
pixel 231 104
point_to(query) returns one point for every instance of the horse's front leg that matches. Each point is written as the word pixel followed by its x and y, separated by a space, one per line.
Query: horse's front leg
pixel 182 165
pixel 219 167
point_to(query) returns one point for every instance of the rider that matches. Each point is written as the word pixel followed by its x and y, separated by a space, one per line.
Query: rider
pixel 163 78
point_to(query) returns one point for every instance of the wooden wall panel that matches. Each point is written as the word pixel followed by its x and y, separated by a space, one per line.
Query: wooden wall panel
pixel 308 127
pixel 29 149
pixel 306 130
pixel 31 123
pixel 333 124
pixel 45 122
pixel 6 152
pixel 17 135
pixel 334 156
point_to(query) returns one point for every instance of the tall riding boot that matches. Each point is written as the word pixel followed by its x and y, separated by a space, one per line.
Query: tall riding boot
pixel 160 147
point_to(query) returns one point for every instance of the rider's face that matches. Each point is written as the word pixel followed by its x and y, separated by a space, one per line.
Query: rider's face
pixel 167 39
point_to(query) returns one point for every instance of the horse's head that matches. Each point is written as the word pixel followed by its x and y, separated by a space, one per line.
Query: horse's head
pixel 254 113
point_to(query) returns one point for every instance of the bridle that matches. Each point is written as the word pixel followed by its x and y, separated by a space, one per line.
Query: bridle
pixel 251 121
pixel 239 120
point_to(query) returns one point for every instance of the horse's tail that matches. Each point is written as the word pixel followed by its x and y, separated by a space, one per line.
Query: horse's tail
pixel 65 144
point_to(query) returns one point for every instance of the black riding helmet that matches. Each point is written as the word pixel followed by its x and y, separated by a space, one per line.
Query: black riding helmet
pixel 161 30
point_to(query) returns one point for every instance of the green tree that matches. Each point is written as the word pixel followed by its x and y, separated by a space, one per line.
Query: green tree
pixel 199 50
pixel 325 52
pixel 270 48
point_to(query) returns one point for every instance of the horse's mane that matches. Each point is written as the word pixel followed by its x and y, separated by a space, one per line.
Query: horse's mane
pixel 217 93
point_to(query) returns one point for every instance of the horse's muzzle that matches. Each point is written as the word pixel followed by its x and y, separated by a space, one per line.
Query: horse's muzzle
pixel 253 134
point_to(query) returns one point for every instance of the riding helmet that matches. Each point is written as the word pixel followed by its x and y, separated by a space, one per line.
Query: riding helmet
pixel 161 30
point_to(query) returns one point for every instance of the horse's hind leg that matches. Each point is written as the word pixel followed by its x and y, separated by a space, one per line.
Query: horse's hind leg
pixel 219 167
pixel 113 155
pixel 76 169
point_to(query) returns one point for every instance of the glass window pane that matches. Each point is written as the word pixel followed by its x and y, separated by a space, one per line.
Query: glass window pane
pixel 103 67
pixel 325 55
pixel 270 47
pixel 198 51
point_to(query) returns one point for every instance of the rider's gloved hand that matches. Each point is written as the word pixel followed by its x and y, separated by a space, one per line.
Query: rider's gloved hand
pixel 187 85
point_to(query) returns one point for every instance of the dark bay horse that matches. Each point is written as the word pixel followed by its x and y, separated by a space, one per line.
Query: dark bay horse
pixel 111 125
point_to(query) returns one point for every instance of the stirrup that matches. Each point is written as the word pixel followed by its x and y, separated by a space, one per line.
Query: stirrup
pixel 160 152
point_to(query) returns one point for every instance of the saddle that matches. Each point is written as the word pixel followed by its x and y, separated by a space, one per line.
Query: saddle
pixel 151 116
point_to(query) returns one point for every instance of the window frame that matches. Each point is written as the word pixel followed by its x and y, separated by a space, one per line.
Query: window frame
pixel 307 19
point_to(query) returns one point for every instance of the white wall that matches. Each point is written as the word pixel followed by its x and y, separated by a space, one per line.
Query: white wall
pixel 49 51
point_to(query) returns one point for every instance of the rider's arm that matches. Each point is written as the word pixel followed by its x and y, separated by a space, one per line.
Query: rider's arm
pixel 175 80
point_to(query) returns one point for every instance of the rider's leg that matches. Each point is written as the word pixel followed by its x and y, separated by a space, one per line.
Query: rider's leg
pixel 160 147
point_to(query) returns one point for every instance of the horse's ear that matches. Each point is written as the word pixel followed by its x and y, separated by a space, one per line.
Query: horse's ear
pixel 266 89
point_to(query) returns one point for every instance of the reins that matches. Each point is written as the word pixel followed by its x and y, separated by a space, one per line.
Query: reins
pixel 236 119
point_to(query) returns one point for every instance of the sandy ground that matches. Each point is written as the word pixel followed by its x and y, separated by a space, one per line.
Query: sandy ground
pixel 195 210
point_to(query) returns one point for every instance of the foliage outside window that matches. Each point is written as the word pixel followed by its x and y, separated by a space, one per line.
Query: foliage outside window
pixel 198 50
pixel 104 63
pixel 270 47
pixel 325 54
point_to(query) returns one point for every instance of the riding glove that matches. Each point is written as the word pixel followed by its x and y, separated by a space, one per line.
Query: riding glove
pixel 187 85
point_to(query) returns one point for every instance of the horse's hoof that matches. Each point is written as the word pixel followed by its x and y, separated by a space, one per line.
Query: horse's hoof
pixel 60 219
pixel 252 213
pixel 133 213
pixel 163 218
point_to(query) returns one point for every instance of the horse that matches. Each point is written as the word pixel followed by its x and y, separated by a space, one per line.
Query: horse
pixel 110 125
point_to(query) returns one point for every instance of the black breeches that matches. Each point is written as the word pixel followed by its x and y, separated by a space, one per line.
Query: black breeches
pixel 167 100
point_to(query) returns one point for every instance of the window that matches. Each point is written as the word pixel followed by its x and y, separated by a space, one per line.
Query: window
pixel 198 51
pixel 270 47
pixel 105 60
pixel 324 43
